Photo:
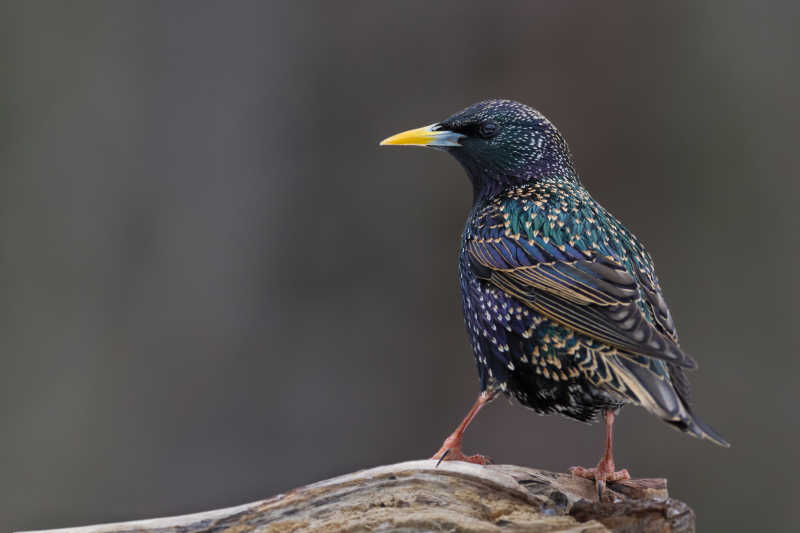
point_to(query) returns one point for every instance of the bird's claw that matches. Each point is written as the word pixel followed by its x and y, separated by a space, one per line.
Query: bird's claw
pixel 455 454
pixel 601 475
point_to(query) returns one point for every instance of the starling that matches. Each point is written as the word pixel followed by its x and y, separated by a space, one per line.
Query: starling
pixel 561 302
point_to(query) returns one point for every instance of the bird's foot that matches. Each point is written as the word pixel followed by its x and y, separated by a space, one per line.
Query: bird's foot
pixel 451 451
pixel 598 474
pixel 601 474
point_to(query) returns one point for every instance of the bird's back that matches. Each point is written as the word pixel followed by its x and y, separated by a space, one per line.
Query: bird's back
pixel 563 306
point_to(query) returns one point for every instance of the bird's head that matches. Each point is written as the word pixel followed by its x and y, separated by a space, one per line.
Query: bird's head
pixel 500 143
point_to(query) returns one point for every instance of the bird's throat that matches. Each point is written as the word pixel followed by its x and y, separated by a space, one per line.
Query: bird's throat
pixel 489 180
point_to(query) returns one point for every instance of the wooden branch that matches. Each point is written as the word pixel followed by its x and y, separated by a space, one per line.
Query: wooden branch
pixel 418 496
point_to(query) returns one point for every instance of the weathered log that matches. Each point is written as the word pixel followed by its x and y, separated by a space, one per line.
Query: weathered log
pixel 418 496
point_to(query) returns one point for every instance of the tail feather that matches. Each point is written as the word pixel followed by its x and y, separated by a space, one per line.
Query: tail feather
pixel 668 398
pixel 693 425
pixel 697 428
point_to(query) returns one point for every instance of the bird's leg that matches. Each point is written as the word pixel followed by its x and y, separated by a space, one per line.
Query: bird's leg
pixel 604 471
pixel 451 448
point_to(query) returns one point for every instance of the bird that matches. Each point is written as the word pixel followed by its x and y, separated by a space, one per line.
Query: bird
pixel 562 305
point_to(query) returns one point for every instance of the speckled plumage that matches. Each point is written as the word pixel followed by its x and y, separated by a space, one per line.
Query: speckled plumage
pixel 562 304
pixel 550 238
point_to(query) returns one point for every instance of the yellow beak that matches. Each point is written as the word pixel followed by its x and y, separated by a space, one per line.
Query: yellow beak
pixel 426 136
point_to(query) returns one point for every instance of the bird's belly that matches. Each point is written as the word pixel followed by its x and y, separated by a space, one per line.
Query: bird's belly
pixel 541 363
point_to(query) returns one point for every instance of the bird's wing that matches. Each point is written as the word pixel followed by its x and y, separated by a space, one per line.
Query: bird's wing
pixel 581 277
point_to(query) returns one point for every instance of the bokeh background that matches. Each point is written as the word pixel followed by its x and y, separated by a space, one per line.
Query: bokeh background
pixel 216 287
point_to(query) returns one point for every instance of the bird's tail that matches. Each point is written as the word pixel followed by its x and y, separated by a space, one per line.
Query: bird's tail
pixel 697 428
pixel 667 398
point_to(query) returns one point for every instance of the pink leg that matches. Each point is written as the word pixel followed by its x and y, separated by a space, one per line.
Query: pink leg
pixel 451 448
pixel 604 471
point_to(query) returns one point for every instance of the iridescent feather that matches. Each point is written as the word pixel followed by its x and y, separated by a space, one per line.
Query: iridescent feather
pixel 562 303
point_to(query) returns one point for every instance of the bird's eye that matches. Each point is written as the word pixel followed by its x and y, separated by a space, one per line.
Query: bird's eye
pixel 487 130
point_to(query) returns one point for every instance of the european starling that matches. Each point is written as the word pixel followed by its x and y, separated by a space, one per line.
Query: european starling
pixel 561 302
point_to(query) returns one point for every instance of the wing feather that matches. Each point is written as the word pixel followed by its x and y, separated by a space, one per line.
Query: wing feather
pixel 599 295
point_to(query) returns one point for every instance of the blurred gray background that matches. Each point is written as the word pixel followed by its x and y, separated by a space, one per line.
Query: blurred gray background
pixel 216 287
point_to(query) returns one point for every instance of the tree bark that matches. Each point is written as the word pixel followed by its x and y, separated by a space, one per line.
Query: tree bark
pixel 418 496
